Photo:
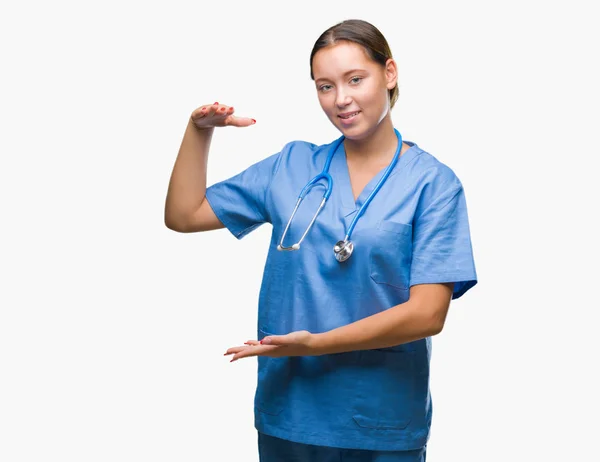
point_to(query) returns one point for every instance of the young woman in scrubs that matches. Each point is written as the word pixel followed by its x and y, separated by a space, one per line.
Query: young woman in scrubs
pixel 343 347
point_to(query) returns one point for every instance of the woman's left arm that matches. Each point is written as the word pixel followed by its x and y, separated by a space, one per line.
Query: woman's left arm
pixel 423 315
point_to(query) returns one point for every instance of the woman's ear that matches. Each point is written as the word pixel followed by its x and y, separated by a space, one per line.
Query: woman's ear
pixel 391 73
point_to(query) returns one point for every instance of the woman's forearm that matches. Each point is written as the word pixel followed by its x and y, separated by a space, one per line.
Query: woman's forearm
pixel 187 186
pixel 417 318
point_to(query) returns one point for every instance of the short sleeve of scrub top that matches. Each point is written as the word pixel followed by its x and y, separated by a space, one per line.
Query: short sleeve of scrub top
pixel 239 202
pixel 442 250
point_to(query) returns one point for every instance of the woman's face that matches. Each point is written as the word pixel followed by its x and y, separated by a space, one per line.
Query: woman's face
pixel 352 88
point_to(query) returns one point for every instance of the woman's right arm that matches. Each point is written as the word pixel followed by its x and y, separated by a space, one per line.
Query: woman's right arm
pixel 186 207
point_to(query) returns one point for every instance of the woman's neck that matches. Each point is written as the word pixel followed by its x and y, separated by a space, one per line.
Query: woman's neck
pixel 377 147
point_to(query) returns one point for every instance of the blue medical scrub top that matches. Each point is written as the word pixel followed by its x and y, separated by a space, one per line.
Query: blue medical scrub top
pixel 414 231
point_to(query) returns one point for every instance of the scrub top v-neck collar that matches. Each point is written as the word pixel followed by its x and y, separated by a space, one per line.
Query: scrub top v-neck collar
pixel 341 176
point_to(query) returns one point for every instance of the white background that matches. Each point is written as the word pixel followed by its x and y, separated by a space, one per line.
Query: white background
pixel 113 327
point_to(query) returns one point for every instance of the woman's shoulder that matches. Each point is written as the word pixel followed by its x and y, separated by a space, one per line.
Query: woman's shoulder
pixel 430 169
pixel 304 146
pixel 301 152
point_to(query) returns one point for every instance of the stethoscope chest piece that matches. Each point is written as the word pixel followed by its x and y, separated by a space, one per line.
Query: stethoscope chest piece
pixel 342 250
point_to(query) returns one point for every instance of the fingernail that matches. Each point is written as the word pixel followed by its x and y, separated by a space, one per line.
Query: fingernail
pixel 253 121
pixel 203 109
pixel 232 360
pixel 231 108
pixel 215 103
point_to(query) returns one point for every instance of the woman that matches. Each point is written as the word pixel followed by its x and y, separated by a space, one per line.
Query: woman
pixel 344 334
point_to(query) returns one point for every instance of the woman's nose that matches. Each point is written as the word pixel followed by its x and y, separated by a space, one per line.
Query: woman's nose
pixel 343 99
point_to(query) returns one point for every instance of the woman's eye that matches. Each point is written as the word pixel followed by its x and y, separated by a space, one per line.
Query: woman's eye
pixel 324 87
pixel 356 79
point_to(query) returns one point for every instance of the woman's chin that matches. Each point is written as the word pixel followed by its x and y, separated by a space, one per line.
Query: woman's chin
pixel 353 133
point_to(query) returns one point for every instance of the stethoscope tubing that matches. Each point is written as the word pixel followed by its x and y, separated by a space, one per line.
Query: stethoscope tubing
pixel 324 175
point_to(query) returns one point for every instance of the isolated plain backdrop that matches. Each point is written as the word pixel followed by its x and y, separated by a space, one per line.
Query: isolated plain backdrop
pixel 113 327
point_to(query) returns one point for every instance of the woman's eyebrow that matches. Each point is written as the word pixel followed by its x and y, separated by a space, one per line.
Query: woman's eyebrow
pixel 351 71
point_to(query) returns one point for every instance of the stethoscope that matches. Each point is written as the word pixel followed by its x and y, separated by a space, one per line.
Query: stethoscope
pixel 342 249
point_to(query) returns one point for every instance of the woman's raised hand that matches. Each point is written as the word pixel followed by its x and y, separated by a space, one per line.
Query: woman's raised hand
pixel 218 115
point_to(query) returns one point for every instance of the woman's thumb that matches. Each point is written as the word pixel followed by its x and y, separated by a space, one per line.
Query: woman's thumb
pixel 241 121
pixel 273 340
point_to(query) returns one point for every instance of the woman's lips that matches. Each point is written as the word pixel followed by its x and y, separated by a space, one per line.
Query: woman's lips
pixel 348 117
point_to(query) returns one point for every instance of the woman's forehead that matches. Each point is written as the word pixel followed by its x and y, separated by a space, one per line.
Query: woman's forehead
pixel 341 58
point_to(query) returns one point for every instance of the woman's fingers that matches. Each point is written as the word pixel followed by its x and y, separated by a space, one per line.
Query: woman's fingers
pixel 219 115
pixel 212 109
pixel 251 350
pixel 234 350
pixel 248 344
pixel 202 115
pixel 199 113
pixel 221 111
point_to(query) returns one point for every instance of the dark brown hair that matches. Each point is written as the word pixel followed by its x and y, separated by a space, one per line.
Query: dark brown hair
pixel 363 34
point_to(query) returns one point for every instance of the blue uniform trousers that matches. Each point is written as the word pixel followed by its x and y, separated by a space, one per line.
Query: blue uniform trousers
pixel 273 449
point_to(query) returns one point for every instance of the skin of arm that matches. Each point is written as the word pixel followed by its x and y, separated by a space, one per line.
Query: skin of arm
pixel 423 315
pixel 186 209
